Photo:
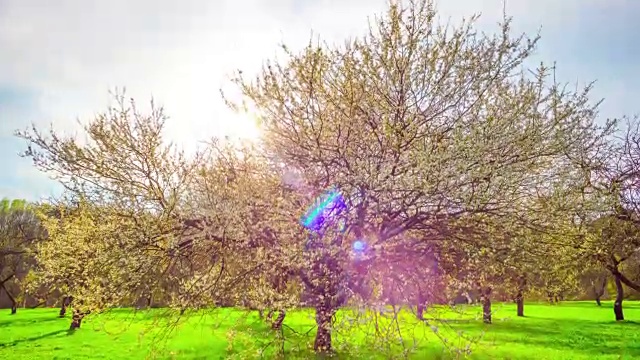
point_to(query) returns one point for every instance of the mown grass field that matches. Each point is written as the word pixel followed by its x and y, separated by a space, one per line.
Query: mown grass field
pixel 572 330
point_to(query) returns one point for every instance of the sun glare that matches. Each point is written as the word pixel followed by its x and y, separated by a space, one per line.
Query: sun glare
pixel 241 126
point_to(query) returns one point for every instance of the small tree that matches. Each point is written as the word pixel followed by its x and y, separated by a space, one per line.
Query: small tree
pixel 594 282
pixel 19 233
pixel 98 273
pixel 123 207
pixel 612 243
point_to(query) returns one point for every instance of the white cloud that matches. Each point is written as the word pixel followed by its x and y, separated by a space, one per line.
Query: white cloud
pixel 69 53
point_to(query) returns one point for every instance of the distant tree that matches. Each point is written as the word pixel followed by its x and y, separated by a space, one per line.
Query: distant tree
pixel 595 283
pixel 509 264
pixel 611 244
pixel 122 206
pixel 19 233
pixel 612 238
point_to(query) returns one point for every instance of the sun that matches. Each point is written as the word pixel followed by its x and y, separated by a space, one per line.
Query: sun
pixel 240 125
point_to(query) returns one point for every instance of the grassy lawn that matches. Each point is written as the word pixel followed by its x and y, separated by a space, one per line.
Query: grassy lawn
pixel 572 330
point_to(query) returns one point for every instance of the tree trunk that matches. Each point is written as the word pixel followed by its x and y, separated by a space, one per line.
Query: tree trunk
pixel 66 302
pixel 44 302
pixel 420 311
pixel 14 303
pixel 422 307
pixel 617 306
pixel 277 323
pixel 550 297
pixel 599 292
pixel 485 298
pixel 468 298
pixel 322 344
pixel 76 320
pixel 522 283
pixel 520 303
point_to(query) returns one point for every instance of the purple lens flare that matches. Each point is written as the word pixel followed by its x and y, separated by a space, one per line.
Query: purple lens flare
pixel 359 246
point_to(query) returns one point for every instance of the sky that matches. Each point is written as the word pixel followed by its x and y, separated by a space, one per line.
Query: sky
pixel 59 59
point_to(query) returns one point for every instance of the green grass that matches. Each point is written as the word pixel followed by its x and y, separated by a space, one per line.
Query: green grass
pixel 572 330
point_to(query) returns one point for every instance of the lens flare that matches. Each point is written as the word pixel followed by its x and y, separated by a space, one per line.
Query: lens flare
pixel 325 208
pixel 359 245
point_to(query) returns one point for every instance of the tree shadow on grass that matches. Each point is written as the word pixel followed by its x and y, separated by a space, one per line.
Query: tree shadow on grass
pixel 36 338
pixel 606 304
pixel 29 321
pixel 590 337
